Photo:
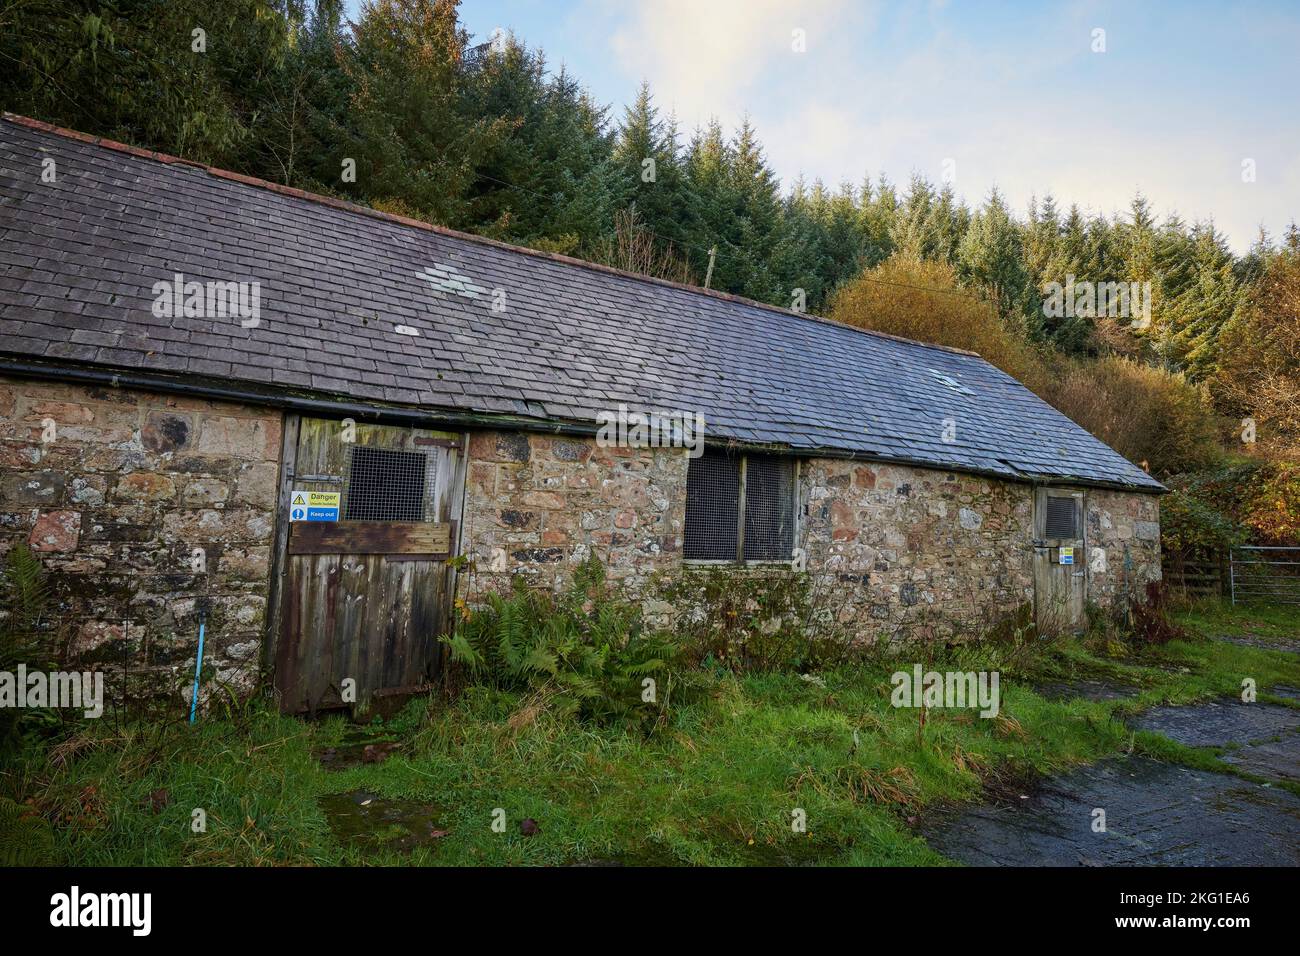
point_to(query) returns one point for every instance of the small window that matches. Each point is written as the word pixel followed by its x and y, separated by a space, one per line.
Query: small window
pixel 386 485
pixel 716 484
pixel 1061 517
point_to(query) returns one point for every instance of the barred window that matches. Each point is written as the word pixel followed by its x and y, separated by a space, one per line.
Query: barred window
pixel 718 485
pixel 1062 517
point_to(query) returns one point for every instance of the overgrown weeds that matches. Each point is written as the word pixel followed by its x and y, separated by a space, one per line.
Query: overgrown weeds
pixel 1151 620
pixel 585 652
pixel 755 619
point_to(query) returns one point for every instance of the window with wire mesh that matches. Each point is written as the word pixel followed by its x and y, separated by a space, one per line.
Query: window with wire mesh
pixel 712 507
pixel 388 485
pixel 769 508
pixel 1062 514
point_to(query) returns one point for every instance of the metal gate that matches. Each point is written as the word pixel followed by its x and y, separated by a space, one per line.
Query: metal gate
pixel 1265 574
pixel 364 588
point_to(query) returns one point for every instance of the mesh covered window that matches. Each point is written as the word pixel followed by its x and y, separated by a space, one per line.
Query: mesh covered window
pixel 769 499
pixel 713 490
pixel 712 507
pixel 387 485
pixel 1061 518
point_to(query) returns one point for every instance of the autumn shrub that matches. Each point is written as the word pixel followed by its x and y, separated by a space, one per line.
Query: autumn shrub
pixel 1252 499
pixel 923 300
pixel 1149 617
pixel 1148 415
pixel 1259 357
pixel 1272 508
pixel 1192 527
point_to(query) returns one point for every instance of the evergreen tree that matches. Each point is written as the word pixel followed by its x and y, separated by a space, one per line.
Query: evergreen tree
pixel 912 231
pixel 136 71
pixel 991 258
pixel 1212 299
pixel 877 210
pixel 546 182
pixel 709 176
pixel 648 172
pixel 416 148
pixel 298 137
pixel 802 260
pixel 758 225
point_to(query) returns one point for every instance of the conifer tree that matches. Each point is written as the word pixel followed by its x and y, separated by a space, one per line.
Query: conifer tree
pixel 415 146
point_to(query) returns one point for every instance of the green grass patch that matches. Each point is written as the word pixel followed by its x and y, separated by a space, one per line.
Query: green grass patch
pixel 717 783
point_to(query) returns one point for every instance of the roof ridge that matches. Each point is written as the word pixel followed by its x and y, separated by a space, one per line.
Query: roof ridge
pixel 348 206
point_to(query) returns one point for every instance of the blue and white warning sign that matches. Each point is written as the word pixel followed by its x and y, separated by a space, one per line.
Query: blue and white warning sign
pixel 314 505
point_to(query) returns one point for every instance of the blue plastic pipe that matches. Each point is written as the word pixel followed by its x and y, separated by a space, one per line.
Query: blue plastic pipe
pixel 198 669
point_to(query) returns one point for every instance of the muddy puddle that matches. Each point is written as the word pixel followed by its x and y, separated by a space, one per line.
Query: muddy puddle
pixel 1262 739
pixel 356 748
pixel 367 820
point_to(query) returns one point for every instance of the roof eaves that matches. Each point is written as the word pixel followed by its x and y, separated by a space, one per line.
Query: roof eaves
pixel 315 402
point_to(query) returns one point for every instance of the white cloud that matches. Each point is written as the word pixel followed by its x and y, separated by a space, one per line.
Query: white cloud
pixel 1027 108
pixel 708 58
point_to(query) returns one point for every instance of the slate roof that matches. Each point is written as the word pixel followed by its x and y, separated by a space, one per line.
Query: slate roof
pixel 79 258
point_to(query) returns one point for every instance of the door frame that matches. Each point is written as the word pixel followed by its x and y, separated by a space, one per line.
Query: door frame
pixel 279 563
pixel 1042 564
pixel 280 545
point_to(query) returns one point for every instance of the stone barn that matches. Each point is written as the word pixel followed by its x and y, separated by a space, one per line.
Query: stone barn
pixel 286 413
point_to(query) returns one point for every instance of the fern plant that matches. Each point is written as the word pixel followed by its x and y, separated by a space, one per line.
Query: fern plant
pixel 25 626
pixel 24 598
pixel 586 649
pixel 26 838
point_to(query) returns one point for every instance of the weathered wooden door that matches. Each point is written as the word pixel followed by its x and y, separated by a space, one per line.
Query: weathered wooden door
pixel 1060 574
pixel 365 597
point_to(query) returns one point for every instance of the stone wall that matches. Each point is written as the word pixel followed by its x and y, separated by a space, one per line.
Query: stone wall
pixel 1127 527
pixel 894 551
pixel 121 492
pixel 900 552
pixel 139 505
pixel 537 505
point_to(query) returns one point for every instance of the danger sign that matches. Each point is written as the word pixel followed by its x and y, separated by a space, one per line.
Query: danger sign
pixel 307 505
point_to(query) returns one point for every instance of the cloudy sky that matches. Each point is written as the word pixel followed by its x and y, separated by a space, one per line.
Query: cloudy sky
pixel 1185 98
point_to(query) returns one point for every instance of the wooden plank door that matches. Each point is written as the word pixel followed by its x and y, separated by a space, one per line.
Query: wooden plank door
pixel 1060 572
pixel 365 598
